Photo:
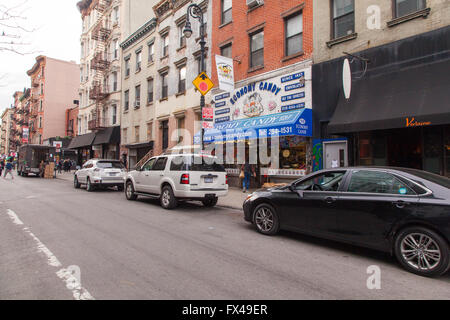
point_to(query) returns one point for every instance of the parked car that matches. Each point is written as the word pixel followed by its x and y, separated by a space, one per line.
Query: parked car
pixel 100 173
pixel 405 212
pixel 172 178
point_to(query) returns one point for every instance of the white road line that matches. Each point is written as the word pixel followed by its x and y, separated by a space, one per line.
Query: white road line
pixel 14 217
pixel 65 274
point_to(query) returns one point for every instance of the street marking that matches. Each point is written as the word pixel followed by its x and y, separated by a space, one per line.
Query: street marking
pixel 65 274
pixel 14 217
pixel 31 197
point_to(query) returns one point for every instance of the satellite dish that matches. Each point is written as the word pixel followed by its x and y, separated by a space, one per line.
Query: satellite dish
pixel 347 79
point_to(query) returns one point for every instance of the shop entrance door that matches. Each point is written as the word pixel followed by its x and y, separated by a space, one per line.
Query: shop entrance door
pixel 405 148
pixel 335 153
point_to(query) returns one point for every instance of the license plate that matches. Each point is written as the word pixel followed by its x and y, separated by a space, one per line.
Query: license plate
pixel 112 174
pixel 209 180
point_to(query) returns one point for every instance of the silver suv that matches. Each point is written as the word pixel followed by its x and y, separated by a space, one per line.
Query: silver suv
pixel 100 173
pixel 171 178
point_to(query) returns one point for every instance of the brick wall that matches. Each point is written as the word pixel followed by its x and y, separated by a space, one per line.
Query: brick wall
pixel 271 15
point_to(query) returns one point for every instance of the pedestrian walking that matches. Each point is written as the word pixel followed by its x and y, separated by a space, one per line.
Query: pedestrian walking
pixel 8 169
pixel 2 166
pixel 247 171
pixel 59 165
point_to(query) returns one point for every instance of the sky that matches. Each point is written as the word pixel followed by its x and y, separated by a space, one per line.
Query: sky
pixel 57 31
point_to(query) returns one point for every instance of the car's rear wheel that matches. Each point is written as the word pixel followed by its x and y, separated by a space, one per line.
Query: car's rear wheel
pixel 210 202
pixel 266 219
pixel 89 186
pixel 422 251
pixel 129 192
pixel 167 199
pixel 76 183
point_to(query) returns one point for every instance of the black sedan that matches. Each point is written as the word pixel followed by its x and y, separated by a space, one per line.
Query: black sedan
pixel 402 211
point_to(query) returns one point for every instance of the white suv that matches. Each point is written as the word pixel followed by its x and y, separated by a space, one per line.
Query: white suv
pixel 178 177
pixel 100 173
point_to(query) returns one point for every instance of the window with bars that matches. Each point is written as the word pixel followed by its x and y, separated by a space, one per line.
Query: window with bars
pixel 257 49
pixel 343 23
pixel 294 34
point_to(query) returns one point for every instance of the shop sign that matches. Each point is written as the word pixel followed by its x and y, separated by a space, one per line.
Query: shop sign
pixel 270 96
pixel 412 122
pixel 225 73
pixel 283 172
pixel 25 134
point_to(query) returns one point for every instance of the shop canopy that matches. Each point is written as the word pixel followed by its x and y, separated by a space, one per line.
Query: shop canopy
pixel 412 97
pixel 293 123
pixel 82 141
pixel 110 135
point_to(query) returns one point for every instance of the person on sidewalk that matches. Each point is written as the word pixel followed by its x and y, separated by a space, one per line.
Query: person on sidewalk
pixel 249 170
pixel 2 166
pixel 8 169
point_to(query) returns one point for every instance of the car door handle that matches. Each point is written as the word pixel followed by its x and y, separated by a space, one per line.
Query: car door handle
pixel 330 200
pixel 400 204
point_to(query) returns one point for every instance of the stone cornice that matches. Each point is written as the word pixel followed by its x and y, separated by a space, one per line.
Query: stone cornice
pixel 142 31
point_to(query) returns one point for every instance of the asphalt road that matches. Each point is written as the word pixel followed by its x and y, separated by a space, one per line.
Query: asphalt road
pixel 136 250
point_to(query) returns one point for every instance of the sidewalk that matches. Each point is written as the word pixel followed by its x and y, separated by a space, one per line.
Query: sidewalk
pixel 233 200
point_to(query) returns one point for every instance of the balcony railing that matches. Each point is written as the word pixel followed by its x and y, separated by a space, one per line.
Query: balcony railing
pixel 98 92
pixel 100 62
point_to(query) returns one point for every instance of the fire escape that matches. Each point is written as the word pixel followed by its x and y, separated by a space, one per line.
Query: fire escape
pixel 100 64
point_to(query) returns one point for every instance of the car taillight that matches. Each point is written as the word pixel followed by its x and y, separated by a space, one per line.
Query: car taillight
pixel 184 178
pixel 226 179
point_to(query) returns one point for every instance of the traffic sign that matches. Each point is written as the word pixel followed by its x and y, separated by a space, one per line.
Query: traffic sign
pixel 208 113
pixel 203 83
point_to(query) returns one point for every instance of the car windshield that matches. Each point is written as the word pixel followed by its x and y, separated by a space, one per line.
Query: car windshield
pixel 109 165
pixel 196 163
pixel 440 180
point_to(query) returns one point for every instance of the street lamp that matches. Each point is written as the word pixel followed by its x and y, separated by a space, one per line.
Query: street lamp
pixel 196 12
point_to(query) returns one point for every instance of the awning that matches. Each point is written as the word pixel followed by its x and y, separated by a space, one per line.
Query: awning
pixel 418 96
pixel 291 123
pixel 110 135
pixel 140 145
pixel 84 140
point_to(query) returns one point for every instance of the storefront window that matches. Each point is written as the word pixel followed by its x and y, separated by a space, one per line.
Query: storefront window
pixel 432 145
pixel 293 152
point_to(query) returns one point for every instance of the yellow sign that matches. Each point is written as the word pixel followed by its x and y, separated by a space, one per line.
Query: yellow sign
pixel 203 83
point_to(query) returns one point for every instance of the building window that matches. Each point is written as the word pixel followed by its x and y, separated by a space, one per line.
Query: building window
pixel 226 11
pixel 126 99
pixel 116 49
pixel 164 86
pixel 124 136
pixel 165 134
pixel 137 96
pixel 149 90
pixel 257 49
pixel 40 122
pixel 225 51
pixel 114 114
pixel 116 15
pixel 138 61
pixel 40 106
pixel 136 134
pixel 180 127
pixel 127 67
pixel 182 79
pixel 343 18
pixel 404 7
pixel 114 81
pixel 149 131
pixel 42 88
pixel 165 45
pixel 294 34
pixel 151 52
pixel 181 35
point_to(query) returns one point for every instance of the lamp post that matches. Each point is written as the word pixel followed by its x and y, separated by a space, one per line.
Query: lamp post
pixel 196 12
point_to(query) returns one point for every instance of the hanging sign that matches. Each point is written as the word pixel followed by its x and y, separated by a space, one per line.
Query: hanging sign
pixel 225 73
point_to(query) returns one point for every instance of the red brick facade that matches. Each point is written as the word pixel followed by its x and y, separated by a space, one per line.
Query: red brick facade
pixel 270 17
pixel 72 122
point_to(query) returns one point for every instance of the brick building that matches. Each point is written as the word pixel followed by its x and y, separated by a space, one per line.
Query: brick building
pixel 271 44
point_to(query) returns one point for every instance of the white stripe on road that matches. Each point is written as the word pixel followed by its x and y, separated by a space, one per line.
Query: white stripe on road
pixel 14 217
pixel 72 283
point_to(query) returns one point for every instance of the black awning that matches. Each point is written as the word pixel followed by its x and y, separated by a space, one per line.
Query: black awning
pixel 140 145
pixel 84 140
pixel 110 135
pixel 416 96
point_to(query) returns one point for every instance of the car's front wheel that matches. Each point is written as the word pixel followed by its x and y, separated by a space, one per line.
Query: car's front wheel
pixel 76 183
pixel 210 202
pixel 422 251
pixel 167 199
pixel 129 192
pixel 266 219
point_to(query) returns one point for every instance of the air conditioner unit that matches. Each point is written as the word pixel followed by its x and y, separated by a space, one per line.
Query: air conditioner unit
pixel 253 3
